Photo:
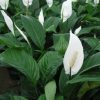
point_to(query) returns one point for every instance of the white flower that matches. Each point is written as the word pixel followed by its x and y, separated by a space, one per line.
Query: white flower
pixel 8 21
pixel 24 36
pixel 41 17
pixel 66 10
pixel 77 30
pixel 27 2
pixel 49 2
pixel 74 56
pixel 96 2
pixel 4 4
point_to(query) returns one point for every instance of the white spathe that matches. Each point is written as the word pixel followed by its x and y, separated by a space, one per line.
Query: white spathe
pixel 4 4
pixel 49 2
pixel 66 10
pixel 41 17
pixel 8 22
pixel 74 55
pixel 27 2
pixel 78 30
pixel 23 35
pixel 96 2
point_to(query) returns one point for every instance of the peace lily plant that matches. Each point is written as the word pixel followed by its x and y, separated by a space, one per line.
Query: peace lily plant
pixel 49 61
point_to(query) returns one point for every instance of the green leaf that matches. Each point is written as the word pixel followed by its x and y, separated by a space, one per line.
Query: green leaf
pixel 50 90
pixel 89 77
pixel 60 43
pixel 23 62
pixel 93 43
pixel 49 64
pixel 84 79
pixel 87 30
pixel 51 24
pixel 86 87
pixel 17 98
pixel 42 97
pixel 59 98
pixel 9 41
pixel 91 63
pixel 62 81
pixel 65 88
pixel 34 30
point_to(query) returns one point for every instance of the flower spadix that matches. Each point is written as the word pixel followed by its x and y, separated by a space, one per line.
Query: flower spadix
pixel 27 2
pixel 8 22
pixel 74 56
pixel 4 4
pixel 66 10
pixel 41 17
pixel 49 2
pixel 96 2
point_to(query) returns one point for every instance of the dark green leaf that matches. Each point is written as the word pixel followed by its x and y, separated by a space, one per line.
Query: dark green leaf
pixel 92 62
pixel 51 24
pixel 34 30
pixel 49 64
pixel 23 62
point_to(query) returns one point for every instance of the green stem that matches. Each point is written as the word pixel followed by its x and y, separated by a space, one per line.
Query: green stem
pixel 27 11
pixel 70 74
